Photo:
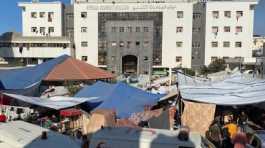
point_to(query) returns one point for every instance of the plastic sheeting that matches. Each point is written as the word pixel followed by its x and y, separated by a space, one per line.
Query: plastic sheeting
pixel 23 78
pixel 237 89
pixel 126 100
pixel 57 102
pixel 99 89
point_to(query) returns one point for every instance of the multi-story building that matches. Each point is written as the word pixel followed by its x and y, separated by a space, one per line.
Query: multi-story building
pixel 229 30
pixel 46 34
pixel 138 36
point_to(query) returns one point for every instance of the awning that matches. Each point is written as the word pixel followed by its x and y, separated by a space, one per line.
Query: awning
pixel 236 89
pixel 70 112
pixel 57 102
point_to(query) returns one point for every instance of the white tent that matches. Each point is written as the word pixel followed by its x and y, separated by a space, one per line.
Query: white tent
pixel 57 102
pixel 19 134
pixel 236 89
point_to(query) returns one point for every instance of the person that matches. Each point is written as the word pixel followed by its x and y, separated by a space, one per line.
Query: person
pixel 242 120
pixel 215 133
pixel 240 140
pixel 85 142
pixel 184 133
pixel 226 142
pixel 232 127
pixel 78 137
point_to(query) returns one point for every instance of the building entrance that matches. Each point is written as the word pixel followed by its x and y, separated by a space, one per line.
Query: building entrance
pixel 129 64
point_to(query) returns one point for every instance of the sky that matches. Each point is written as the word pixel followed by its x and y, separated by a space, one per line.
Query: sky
pixel 10 16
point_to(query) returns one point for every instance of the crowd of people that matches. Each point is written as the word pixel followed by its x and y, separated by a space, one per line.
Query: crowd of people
pixel 229 131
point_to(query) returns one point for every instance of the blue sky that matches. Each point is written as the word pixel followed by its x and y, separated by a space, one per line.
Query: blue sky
pixel 10 16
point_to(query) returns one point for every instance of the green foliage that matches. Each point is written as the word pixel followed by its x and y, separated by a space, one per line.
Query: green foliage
pixel 72 88
pixel 215 66
pixel 188 71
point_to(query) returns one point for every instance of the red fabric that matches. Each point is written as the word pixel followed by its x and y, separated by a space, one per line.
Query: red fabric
pixel 70 112
pixel 76 70
pixel 2 118
pixel 240 140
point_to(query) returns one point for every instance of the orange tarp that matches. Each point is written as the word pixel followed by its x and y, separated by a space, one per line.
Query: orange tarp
pixel 76 70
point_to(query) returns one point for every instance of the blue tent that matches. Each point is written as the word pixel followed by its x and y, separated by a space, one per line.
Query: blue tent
pixel 99 89
pixel 28 77
pixel 126 100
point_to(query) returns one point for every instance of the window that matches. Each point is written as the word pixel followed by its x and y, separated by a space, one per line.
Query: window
pixel 129 44
pixel 121 29
pixel 238 29
pixel 42 30
pixel 238 44
pixel 216 14
pixel 196 29
pixel 179 29
pixel 178 59
pixel 239 14
pixel 121 44
pixel 214 29
pixel 213 59
pixel 34 29
pixel 226 44
pixel 50 16
pixel 179 44
pixel 146 43
pixel 129 29
pixel 226 29
pixel 196 45
pixel 113 43
pixel 227 14
pixel 146 29
pixel 34 14
pixel 83 29
pixel 138 29
pixel 145 58
pixel 180 14
pixel 196 15
pixel 113 29
pixel 84 44
pixel 42 14
pixel 83 14
pixel 137 43
pixel 51 29
pixel 214 44
pixel 84 58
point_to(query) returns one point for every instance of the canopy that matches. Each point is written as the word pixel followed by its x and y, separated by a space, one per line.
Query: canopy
pixel 27 77
pixel 76 70
pixel 99 90
pixel 20 134
pixel 57 102
pixel 236 89
pixel 126 100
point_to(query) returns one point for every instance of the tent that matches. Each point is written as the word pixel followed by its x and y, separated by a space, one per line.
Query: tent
pixel 99 90
pixel 57 102
pixel 23 78
pixel 19 134
pixel 236 89
pixel 126 100
pixel 26 80
pixel 76 70
pixel 122 98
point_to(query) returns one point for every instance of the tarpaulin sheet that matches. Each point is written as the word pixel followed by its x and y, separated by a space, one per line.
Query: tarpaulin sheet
pixel 237 89
pixel 99 90
pixel 126 100
pixel 198 116
pixel 57 102
pixel 23 78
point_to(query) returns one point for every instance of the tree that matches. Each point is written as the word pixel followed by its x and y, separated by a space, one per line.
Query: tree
pixel 215 66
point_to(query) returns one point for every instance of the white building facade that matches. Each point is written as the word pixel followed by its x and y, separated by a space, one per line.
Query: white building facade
pixel 137 36
pixel 229 30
